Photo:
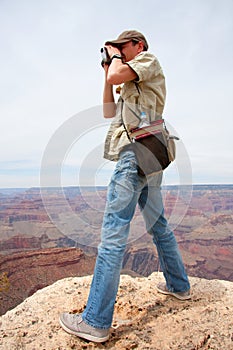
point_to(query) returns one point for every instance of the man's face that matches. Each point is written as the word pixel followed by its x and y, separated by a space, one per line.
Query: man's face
pixel 129 50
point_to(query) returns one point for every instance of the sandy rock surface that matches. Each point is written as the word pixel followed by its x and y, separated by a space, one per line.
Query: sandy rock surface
pixel 143 319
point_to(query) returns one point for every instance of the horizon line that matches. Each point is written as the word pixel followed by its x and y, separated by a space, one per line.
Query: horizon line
pixel 69 186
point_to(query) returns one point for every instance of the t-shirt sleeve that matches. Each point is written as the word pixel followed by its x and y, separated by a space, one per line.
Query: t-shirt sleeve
pixel 145 65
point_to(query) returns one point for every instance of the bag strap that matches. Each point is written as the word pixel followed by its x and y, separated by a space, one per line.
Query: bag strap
pixel 135 114
pixel 164 124
pixel 122 102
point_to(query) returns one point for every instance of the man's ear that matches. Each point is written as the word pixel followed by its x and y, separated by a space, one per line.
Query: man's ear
pixel 140 46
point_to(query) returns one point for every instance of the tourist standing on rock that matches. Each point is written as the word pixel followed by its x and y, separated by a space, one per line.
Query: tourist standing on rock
pixel 129 63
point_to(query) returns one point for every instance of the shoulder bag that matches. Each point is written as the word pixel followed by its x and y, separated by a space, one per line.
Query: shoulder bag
pixel 153 146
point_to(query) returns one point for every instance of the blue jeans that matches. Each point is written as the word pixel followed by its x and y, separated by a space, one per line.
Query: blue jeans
pixel 125 190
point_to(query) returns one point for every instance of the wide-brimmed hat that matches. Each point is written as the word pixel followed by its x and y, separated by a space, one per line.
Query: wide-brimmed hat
pixel 128 35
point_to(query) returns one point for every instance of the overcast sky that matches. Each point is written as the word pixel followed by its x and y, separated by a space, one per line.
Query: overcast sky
pixel 50 71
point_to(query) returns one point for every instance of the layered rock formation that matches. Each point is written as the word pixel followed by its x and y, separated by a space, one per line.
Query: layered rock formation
pixel 143 319
pixel 30 271
pixel 142 261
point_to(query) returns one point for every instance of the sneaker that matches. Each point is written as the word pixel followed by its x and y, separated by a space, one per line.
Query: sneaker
pixel 162 288
pixel 74 324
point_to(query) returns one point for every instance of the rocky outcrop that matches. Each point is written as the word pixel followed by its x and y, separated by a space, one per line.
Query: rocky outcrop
pixel 30 271
pixel 143 319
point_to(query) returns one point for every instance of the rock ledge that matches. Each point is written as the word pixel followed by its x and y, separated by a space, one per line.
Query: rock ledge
pixel 143 319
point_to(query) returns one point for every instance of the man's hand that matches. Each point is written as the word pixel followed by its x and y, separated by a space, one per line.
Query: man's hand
pixel 112 50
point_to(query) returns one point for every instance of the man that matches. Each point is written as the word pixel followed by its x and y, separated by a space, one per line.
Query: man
pixel 143 90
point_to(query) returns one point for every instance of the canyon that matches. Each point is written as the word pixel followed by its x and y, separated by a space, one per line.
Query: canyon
pixel 31 271
pixel 52 234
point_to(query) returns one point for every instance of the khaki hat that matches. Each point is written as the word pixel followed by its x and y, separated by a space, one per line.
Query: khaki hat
pixel 128 35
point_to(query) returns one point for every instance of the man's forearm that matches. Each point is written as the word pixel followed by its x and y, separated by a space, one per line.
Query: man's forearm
pixel 109 106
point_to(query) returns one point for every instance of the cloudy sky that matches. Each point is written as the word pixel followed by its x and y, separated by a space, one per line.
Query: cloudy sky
pixel 50 71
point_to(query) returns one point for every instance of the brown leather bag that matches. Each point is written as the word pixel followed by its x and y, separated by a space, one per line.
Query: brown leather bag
pixel 153 146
